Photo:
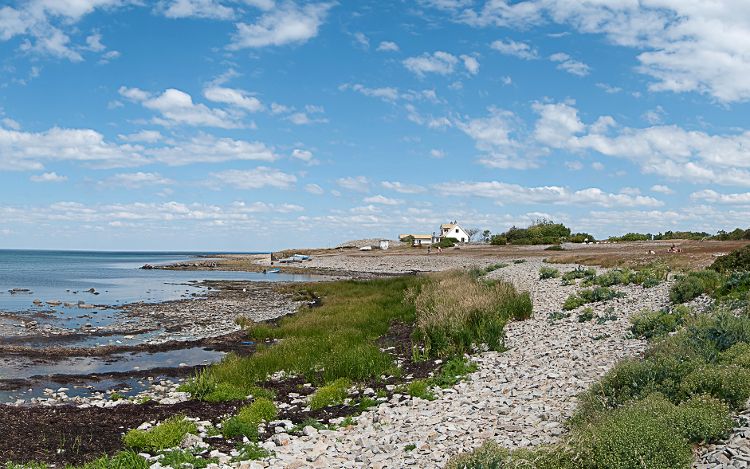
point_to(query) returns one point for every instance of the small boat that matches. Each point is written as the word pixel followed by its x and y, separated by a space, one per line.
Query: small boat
pixel 273 271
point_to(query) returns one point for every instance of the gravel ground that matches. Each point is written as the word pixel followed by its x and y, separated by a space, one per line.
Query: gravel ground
pixel 519 398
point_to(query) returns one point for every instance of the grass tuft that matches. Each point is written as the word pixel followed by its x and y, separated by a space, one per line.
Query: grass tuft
pixel 167 434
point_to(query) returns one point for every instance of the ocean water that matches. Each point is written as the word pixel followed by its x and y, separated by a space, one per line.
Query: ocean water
pixel 116 276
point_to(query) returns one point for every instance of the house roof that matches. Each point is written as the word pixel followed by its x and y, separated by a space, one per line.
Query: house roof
pixel 448 226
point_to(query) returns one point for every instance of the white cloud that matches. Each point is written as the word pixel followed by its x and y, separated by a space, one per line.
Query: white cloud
pixel 304 155
pixel 288 23
pixel 504 193
pixel 609 89
pixel 712 196
pixel 198 9
pixel 314 189
pixel 362 39
pixel 441 63
pixel 683 45
pixel 10 123
pixel 574 165
pixel 515 48
pixel 570 65
pixel 252 179
pixel 471 64
pixel 205 148
pixel 135 180
pixel 234 97
pixel 388 46
pixel 382 200
pixel 356 183
pixel 177 107
pixel 493 136
pixel 666 150
pixel 384 93
pixel 662 189
pixel 48 177
pixel 435 153
pixel 403 188
pixel 147 136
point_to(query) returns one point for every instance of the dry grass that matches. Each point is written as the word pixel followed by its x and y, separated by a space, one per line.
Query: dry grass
pixel 456 311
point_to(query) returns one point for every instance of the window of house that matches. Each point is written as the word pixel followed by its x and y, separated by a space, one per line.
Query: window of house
pixel 456 230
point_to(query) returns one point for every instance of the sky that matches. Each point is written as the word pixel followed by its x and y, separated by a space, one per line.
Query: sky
pixel 245 125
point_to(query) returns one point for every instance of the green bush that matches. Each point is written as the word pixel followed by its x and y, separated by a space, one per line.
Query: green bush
pixel 729 383
pixel 578 273
pixel 498 240
pixel 331 394
pixel 737 260
pixel 183 458
pixel 650 324
pixel 702 419
pixel 246 422
pixel 446 243
pixel 693 285
pixel 122 460
pixel 491 456
pixel 586 296
pixel 554 247
pixel 634 437
pixel 548 272
pixel 738 354
pixel 586 315
pixel 167 434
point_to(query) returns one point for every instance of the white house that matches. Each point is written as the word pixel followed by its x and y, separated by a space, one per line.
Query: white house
pixel 453 230
pixel 418 239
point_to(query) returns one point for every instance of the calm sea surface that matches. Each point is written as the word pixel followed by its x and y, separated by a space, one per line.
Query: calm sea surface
pixel 116 276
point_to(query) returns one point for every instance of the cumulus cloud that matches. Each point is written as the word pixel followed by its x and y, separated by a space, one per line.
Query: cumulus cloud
pixel 403 188
pixel 252 178
pixel 518 49
pixel 388 46
pixel 48 177
pixel 287 23
pixel 354 183
pixel 234 97
pixel 314 189
pixel 382 200
pixel 197 9
pixel 205 148
pixel 712 196
pixel 504 193
pixel 177 108
pixel 135 180
pixel 494 137
pixel 570 65
pixel 471 64
pixel 662 189
pixel 666 150
pixel 684 46
pixel 385 93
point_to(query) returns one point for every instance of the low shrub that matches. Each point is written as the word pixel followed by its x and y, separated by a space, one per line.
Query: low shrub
pixel 548 272
pixel 693 285
pixel 251 451
pixel 498 240
pixel 586 315
pixel 737 260
pixel 586 296
pixel 738 354
pixel 167 434
pixel 649 324
pixel 729 383
pixel 333 393
pixel 122 460
pixel 453 371
pixel 246 422
pixel 579 273
pixel 702 419
pixel 492 456
pixel 554 247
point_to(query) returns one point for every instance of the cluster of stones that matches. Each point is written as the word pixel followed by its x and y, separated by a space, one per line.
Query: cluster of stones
pixel 732 453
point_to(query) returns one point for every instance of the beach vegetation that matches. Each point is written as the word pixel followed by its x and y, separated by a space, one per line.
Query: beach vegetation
pixel 650 324
pixel 184 458
pixel 736 261
pixel 127 459
pixel 164 435
pixel 548 272
pixel 419 388
pixel 332 393
pixel 250 452
pixel 694 284
pixel 249 417
pixel 592 295
pixel 455 311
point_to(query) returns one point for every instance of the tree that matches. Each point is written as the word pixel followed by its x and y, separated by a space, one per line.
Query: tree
pixel 471 232
pixel 486 235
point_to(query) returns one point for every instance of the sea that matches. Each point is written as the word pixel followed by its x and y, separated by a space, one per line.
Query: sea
pixel 108 279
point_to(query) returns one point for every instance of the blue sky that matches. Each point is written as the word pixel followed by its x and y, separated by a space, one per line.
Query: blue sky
pixel 263 124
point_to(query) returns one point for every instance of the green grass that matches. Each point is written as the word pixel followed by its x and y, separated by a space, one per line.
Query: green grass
pixel 651 324
pixel 419 388
pixel 335 340
pixel 333 393
pixel 167 434
pixel 586 315
pixel 250 452
pixel 122 460
pixel 246 422
pixel 694 284
pixel 178 459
